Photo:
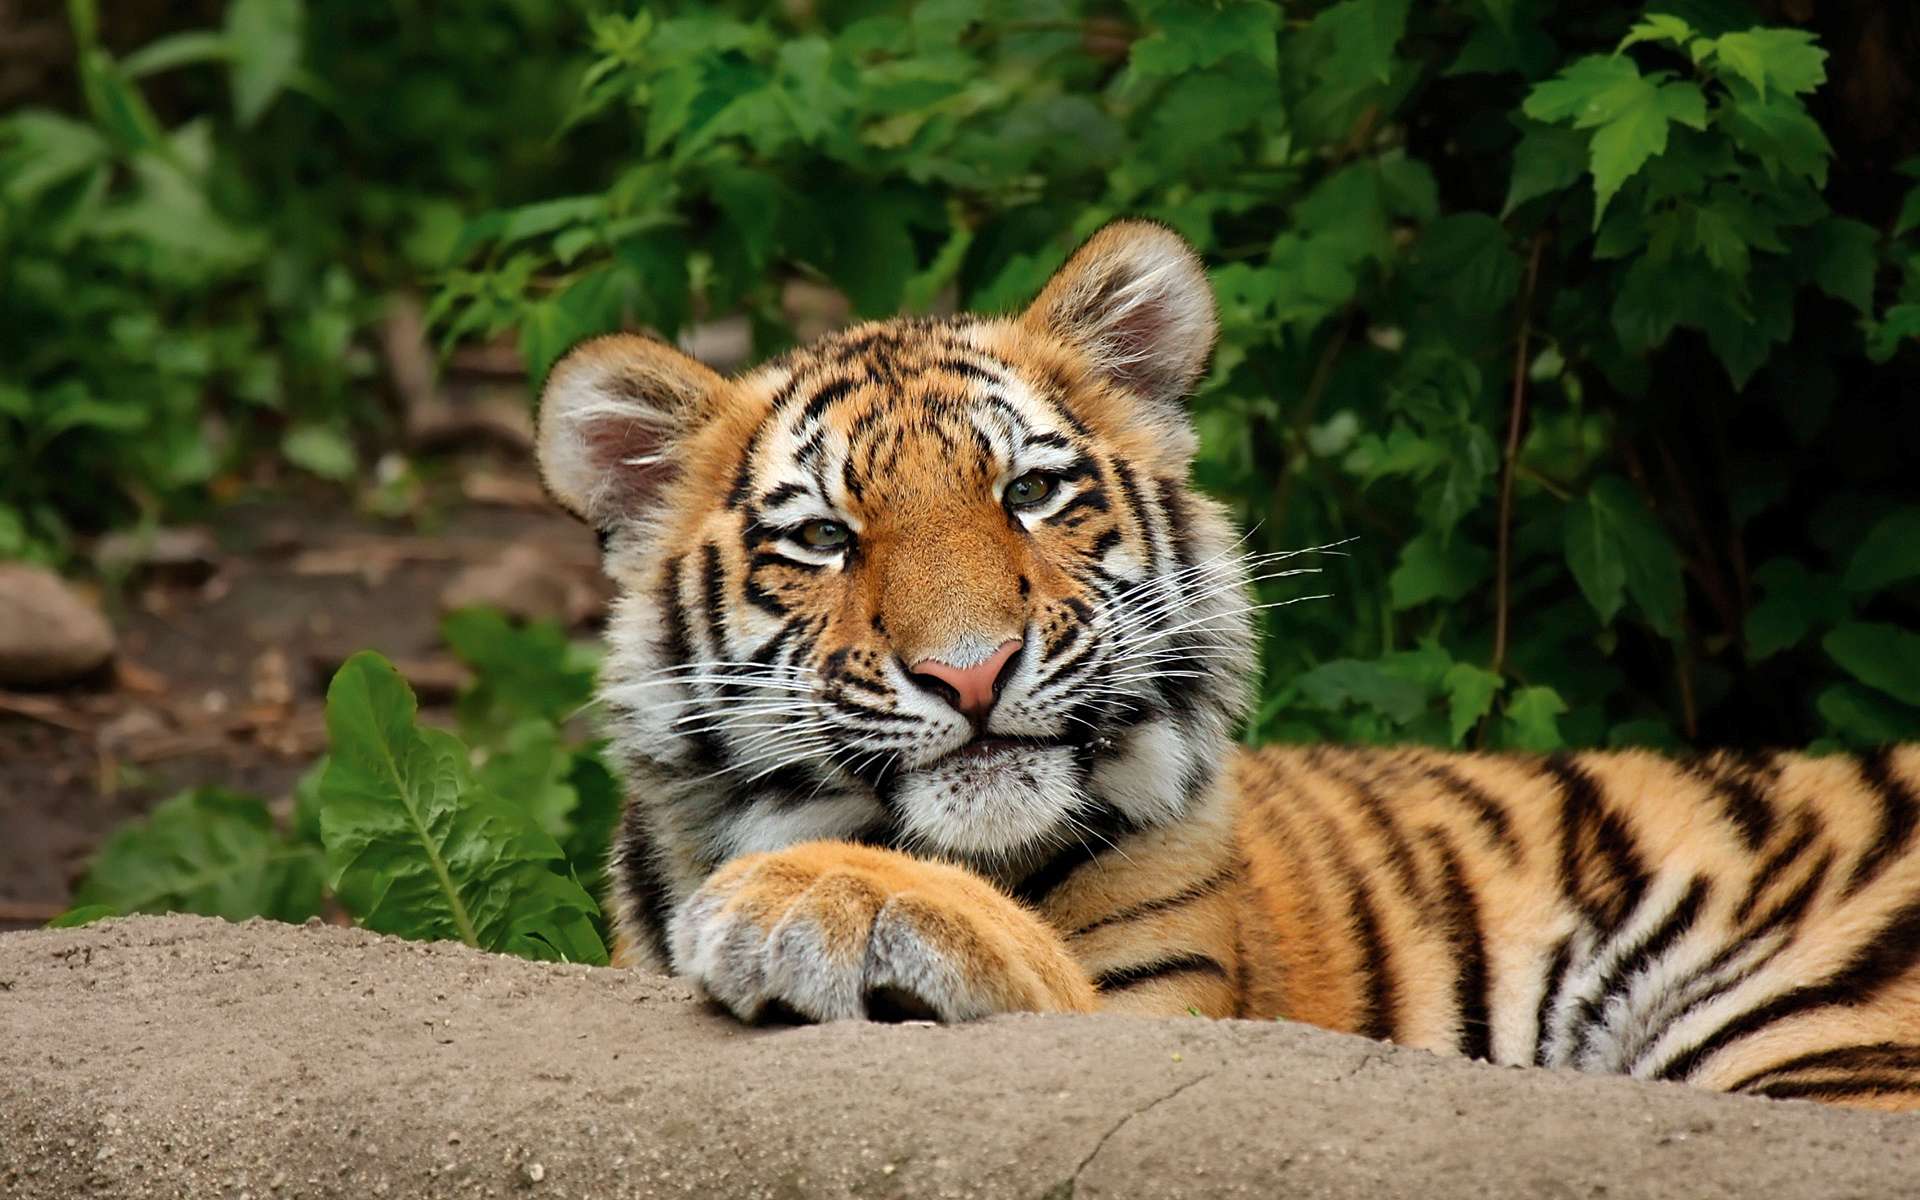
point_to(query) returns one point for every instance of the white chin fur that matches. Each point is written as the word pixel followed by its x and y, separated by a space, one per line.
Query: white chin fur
pixel 992 806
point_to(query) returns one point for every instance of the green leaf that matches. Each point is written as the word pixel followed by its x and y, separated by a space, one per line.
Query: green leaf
pixel 324 451
pixel 1547 159
pixel 1628 112
pixel 188 48
pixel 1659 27
pixel 1188 37
pixel 521 673
pixel 1532 720
pixel 1900 324
pixel 1333 685
pixel 1777 131
pixel 1795 602
pixel 1845 256
pixel 85 914
pixel 1909 218
pixel 265 39
pixel 206 851
pixel 117 106
pixel 1889 554
pixel 1470 694
pixel 1362 35
pixel 1864 718
pixel 1615 546
pixel 418 848
pixel 1879 655
pixel 1435 569
pixel 529 769
pixel 1784 59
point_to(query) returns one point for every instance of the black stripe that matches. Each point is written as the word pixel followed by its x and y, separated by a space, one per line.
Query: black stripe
pixel 1470 979
pixel 781 495
pixel 1130 491
pixel 1887 954
pixel 1092 497
pixel 1656 942
pixel 1209 886
pixel 1485 808
pixel 1837 1089
pixel 1771 868
pixel 1741 798
pixel 1549 997
pixel 960 366
pixel 1399 852
pixel 1173 503
pixel 1180 964
pixel 1377 1016
pixel 1096 832
pixel 818 402
pixel 642 881
pixel 1897 1056
pixel 713 595
pixel 743 473
pixel 1783 915
pixel 1899 813
pixel 1588 829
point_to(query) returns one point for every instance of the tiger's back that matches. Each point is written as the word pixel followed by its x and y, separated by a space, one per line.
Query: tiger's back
pixel 925 673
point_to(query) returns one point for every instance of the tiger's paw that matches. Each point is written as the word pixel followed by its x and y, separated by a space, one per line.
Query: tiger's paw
pixel 829 931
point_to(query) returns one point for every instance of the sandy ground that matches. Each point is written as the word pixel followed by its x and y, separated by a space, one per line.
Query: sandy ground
pixel 180 1056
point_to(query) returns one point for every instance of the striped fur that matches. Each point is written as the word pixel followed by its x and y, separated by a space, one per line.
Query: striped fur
pixel 814 829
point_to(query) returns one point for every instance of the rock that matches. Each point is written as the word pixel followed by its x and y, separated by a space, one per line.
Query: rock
pixel 186 555
pixel 163 1042
pixel 49 632
pixel 527 583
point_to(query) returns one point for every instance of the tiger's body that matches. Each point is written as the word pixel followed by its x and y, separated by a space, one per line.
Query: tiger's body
pixel 925 673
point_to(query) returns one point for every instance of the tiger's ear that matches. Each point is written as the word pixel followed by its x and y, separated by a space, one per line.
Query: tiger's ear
pixel 609 415
pixel 1135 300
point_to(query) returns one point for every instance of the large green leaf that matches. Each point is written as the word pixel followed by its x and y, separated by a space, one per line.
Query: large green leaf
pixel 1614 546
pixel 1879 655
pixel 1628 112
pixel 206 851
pixel 418 848
pixel 1889 554
pixel 264 38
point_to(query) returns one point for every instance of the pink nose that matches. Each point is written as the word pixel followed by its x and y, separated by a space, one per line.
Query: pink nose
pixel 972 689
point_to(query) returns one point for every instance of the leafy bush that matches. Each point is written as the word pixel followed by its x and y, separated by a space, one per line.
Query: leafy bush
pixel 1545 306
pixel 188 266
pixel 494 841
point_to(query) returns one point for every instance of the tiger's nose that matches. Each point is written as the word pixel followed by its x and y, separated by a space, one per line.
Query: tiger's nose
pixel 972 690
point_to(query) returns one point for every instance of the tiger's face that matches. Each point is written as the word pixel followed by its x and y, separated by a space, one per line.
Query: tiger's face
pixel 940 585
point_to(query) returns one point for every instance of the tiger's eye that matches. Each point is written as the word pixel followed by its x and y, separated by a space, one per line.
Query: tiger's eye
pixel 825 535
pixel 1029 490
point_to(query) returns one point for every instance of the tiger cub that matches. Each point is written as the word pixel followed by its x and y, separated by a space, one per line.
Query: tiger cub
pixel 925 672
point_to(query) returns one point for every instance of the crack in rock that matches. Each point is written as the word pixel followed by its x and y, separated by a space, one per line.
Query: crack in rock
pixel 1072 1186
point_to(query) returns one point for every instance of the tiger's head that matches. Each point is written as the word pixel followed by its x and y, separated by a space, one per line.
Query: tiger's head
pixel 940 585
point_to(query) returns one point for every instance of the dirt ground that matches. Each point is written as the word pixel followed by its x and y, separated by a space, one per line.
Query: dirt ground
pixel 183 1056
pixel 223 666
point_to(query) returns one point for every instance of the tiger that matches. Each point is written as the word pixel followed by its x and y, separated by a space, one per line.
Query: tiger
pixel 926 671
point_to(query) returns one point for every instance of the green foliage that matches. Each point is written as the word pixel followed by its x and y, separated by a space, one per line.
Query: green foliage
pixel 1613 231
pixel 417 846
pixel 411 830
pixel 206 851
pixel 193 248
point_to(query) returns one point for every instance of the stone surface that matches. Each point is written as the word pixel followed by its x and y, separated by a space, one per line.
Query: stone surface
pixel 177 1056
pixel 49 632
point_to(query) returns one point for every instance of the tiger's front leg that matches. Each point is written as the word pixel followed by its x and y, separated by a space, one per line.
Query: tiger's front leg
pixel 831 930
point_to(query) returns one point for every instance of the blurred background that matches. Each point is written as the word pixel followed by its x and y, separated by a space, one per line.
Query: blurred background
pixel 1591 330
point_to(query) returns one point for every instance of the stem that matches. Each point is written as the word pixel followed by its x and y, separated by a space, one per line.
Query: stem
pixel 1303 416
pixel 1516 422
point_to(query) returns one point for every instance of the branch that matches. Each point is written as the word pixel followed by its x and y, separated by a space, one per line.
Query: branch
pixel 1516 422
